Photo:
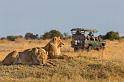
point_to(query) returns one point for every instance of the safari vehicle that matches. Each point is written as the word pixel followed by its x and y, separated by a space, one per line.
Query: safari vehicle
pixel 84 39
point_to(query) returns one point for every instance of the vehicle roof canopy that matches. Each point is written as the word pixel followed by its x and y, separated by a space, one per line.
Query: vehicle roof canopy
pixel 84 29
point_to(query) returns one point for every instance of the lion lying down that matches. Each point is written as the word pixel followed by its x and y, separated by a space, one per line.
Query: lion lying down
pixel 35 56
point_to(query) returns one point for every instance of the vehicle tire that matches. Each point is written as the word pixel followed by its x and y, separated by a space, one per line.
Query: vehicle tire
pixel 89 48
pixel 76 49
pixel 98 49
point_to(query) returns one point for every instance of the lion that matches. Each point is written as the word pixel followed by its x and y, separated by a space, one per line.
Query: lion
pixel 53 47
pixel 34 56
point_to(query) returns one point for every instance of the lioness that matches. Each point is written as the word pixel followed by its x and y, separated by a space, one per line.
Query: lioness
pixel 34 56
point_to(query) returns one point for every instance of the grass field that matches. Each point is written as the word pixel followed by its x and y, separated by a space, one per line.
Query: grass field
pixel 94 66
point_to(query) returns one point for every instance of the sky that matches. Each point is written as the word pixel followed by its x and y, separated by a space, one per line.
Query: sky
pixel 39 16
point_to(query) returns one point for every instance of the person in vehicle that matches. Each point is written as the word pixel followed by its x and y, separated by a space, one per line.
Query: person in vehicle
pixel 78 33
pixel 90 36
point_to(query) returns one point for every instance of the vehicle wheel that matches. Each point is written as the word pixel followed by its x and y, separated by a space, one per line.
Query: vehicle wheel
pixel 76 49
pixel 89 48
pixel 98 49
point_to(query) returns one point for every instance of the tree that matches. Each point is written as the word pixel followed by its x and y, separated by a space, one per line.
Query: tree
pixel 30 35
pixel 13 38
pixel 122 37
pixel 52 34
pixel 2 38
pixel 112 35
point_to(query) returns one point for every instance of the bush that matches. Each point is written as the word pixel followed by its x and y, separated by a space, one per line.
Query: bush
pixel 13 38
pixel 52 34
pixel 2 38
pixel 19 36
pixel 112 35
pixel 122 37
pixel 31 36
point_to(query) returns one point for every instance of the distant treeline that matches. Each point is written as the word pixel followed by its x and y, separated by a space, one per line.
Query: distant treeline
pixel 32 36
pixel 47 35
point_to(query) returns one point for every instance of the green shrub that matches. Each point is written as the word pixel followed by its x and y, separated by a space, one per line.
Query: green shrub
pixel 2 38
pixel 13 38
pixel 31 36
pixel 122 37
pixel 112 35
pixel 52 34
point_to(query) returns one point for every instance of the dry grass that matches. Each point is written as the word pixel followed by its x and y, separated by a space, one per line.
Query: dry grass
pixel 94 66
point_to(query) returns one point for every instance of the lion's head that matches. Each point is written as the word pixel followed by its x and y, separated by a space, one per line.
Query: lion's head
pixel 40 55
pixel 53 47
